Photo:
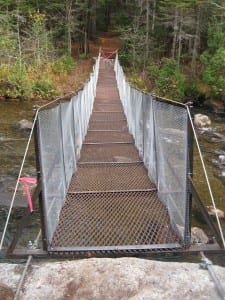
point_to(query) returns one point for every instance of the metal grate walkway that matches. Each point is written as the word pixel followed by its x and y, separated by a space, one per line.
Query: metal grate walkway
pixel 111 203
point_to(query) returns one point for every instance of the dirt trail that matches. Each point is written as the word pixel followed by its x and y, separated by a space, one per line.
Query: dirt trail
pixel 108 41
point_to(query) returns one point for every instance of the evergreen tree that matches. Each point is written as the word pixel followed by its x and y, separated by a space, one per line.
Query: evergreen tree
pixel 213 60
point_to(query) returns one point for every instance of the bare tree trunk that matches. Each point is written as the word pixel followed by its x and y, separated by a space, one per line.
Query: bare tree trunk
pixel 85 43
pixel 180 39
pixel 8 30
pixel 93 18
pixel 86 32
pixel 147 33
pixel 190 43
pixel 153 15
pixel 175 31
pixel 69 25
pixel 196 43
pixel 46 47
pixel 134 56
pixel 19 42
pixel 18 35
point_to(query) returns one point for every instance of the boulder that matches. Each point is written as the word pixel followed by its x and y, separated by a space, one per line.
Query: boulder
pixel 113 279
pixel 122 278
pixel 198 236
pixel 212 212
pixel 24 125
pixel 202 121
pixel 222 159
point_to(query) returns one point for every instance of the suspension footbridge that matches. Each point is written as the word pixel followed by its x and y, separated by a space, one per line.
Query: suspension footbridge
pixel 115 168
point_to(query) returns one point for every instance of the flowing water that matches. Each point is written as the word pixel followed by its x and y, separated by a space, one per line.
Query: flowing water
pixel 212 144
pixel 12 147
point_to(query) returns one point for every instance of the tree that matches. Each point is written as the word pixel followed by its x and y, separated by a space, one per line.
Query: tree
pixel 170 81
pixel 8 38
pixel 40 40
pixel 213 60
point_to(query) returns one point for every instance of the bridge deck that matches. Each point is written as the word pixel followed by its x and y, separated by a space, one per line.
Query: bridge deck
pixel 111 203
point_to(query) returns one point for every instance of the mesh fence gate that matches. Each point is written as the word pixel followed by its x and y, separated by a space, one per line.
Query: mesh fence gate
pixel 160 132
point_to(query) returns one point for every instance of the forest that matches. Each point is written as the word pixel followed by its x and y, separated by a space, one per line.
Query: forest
pixel 175 49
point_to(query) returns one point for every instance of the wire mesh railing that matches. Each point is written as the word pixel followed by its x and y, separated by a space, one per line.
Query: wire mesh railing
pixel 61 131
pixel 160 131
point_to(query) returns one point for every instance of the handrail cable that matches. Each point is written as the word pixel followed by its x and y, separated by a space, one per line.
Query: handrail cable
pixel 171 101
pixel 25 269
pixel 206 177
pixel 22 278
pixel 206 264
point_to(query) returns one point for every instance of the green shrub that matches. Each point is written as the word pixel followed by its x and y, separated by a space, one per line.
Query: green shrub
pixel 170 82
pixel 214 73
pixel 153 74
pixel 83 55
pixel 213 60
pixel 25 82
pixel 216 38
pixel 21 83
pixel 192 91
pixel 63 65
pixel 124 58
pixel 42 87
pixel 137 81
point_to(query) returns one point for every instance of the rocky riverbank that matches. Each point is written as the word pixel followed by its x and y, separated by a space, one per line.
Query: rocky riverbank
pixel 112 279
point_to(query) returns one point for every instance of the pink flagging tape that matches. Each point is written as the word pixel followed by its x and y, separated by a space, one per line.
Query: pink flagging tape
pixel 25 181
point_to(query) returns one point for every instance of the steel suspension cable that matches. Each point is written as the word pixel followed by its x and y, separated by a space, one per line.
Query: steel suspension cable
pixel 208 265
pixel 22 278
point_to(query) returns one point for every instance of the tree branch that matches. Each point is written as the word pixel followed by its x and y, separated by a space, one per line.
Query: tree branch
pixel 217 5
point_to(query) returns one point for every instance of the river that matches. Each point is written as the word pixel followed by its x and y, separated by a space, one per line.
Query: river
pixel 12 147
pixel 212 144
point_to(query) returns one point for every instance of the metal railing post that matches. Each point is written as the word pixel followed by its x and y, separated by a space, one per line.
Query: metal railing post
pixel 37 138
pixel 189 170
pixel 62 146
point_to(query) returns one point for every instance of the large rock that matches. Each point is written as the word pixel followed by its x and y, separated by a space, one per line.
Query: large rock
pixel 117 279
pixel 24 125
pixel 198 236
pixel 201 120
pixel 222 159
pixel 215 211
